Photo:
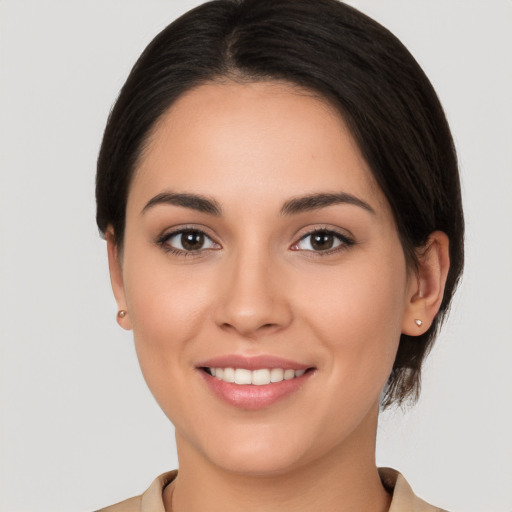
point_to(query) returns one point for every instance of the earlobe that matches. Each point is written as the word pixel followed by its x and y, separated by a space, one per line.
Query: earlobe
pixel 426 287
pixel 116 279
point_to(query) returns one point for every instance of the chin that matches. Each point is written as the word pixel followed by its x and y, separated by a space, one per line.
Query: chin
pixel 269 462
pixel 247 449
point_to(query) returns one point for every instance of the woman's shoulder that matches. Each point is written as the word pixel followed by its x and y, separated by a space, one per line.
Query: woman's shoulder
pixel 129 505
pixel 150 501
pixel 404 499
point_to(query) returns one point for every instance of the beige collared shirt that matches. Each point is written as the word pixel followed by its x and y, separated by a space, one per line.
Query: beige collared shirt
pixel 404 499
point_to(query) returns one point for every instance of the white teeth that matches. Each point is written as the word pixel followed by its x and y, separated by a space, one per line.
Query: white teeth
pixel 276 375
pixel 289 374
pixel 228 375
pixel 260 377
pixel 243 376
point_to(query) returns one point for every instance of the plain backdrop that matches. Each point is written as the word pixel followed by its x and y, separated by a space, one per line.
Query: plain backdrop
pixel 79 429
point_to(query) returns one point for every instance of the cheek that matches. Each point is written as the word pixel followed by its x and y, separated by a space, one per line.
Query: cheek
pixel 167 311
pixel 357 313
pixel 161 296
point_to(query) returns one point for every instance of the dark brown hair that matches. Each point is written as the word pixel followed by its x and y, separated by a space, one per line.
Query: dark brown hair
pixel 340 54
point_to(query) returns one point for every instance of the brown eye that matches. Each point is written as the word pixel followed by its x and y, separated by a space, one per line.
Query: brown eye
pixel 192 240
pixel 322 240
pixel 188 240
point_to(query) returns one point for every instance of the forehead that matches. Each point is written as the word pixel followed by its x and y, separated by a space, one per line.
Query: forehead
pixel 253 136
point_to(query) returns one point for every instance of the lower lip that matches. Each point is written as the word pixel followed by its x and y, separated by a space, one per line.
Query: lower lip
pixel 253 397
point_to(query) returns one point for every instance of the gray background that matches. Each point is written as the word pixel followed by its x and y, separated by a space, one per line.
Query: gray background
pixel 78 428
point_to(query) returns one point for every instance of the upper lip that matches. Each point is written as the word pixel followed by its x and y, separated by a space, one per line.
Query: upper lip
pixel 252 362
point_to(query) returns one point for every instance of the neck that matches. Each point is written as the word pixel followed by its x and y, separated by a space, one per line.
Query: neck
pixel 346 478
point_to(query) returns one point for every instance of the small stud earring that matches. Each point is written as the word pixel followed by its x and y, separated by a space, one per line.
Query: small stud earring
pixel 122 313
pixel 418 322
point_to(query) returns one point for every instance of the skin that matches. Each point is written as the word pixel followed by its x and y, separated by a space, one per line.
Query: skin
pixel 258 288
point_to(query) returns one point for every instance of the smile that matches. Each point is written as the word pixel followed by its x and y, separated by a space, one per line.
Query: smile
pixel 254 382
pixel 258 377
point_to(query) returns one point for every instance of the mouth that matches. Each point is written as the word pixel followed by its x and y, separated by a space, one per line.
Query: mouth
pixel 257 377
pixel 254 383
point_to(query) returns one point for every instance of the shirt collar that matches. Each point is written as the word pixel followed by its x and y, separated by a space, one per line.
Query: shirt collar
pixel 404 499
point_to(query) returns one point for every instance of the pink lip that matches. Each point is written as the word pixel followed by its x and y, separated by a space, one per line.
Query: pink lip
pixel 252 362
pixel 251 397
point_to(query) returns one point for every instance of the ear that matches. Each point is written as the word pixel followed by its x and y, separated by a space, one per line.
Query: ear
pixel 426 286
pixel 116 278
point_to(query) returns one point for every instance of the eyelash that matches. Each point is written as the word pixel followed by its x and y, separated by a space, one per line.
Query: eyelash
pixel 344 242
pixel 163 240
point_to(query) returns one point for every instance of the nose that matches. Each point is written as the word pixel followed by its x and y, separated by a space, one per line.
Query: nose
pixel 253 300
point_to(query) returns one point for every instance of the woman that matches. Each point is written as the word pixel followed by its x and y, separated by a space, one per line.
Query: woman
pixel 279 193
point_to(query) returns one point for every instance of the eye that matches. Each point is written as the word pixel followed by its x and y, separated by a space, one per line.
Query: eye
pixel 322 240
pixel 187 240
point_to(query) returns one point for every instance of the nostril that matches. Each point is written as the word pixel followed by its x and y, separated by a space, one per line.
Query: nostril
pixel 248 328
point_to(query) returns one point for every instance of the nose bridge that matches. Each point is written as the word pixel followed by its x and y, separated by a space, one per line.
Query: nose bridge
pixel 253 298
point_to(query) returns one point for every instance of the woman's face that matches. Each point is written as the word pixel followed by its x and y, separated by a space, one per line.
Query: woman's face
pixel 257 240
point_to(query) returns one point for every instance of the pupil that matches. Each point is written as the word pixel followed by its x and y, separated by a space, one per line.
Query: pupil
pixel 322 241
pixel 192 240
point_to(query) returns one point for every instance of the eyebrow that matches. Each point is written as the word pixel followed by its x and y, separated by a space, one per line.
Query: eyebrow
pixel 293 206
pixel 193 201
pixel 322 200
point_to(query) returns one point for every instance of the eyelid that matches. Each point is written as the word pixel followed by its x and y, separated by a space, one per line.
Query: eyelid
pixel 347 240
pixel 163 239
